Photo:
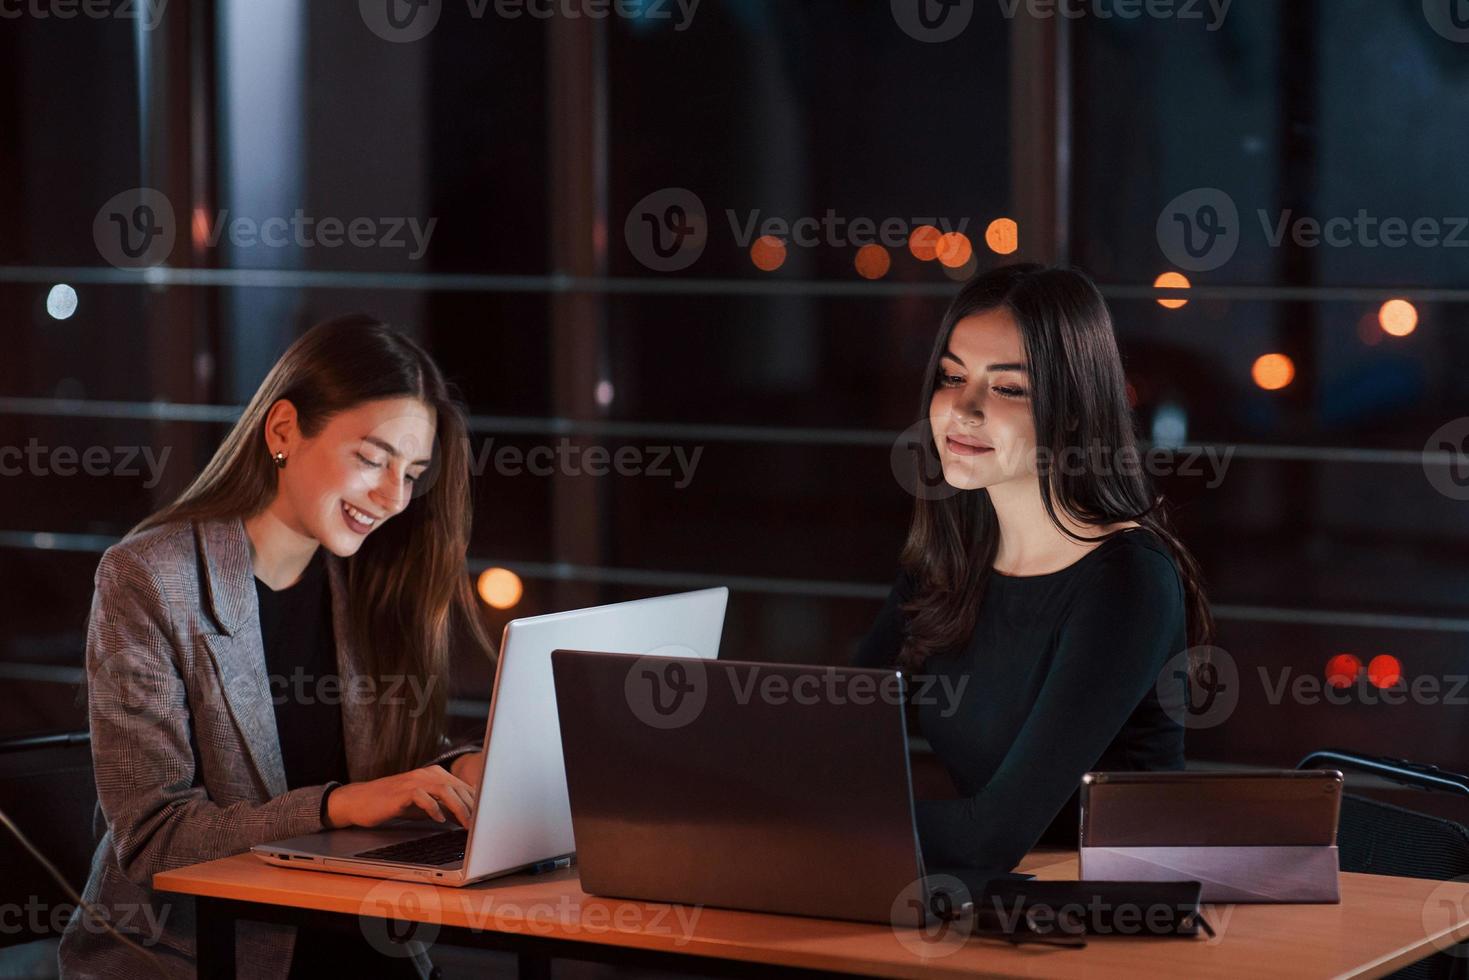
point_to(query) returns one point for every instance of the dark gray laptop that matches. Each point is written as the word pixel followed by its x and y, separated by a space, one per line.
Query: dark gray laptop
pixel 768 787
pixel 1246 836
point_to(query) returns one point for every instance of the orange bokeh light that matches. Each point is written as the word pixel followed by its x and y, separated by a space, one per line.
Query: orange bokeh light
pixel 768 253
pixel 1273 371
pixel 1172 280
pixel 954 249
pixel 873 261
pixel 1002 236
pixel 924 243
pixel 200 227
pixel 1398 317
pixel 500 588
pixel 1384 670
pixel 1343 670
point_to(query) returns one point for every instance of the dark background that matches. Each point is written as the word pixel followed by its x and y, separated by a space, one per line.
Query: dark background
pixel 530 141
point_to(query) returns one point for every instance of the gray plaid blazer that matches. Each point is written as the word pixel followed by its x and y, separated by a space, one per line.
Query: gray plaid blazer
pixel 184 744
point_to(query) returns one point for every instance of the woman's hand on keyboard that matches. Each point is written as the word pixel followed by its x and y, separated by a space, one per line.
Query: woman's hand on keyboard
pixel 432 790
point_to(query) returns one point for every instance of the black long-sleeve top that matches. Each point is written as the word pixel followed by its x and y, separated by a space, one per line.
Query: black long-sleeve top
pixel 301 661
pixel 1060 677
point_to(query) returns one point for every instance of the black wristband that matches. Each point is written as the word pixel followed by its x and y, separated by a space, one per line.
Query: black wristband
pixel 324 797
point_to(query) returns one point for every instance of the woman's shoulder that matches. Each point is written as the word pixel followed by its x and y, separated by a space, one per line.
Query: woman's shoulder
pixel 1138 540
pixel 164 557
pixel 161 545
pixel 1134 559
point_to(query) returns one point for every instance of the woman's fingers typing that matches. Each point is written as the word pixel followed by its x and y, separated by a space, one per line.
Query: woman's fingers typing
pixel 448 793
pixel 425 801
pixel 467 796
pixel 431 791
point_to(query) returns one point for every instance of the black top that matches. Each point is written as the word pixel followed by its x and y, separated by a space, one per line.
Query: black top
pixel 1060 677
pixel 301 661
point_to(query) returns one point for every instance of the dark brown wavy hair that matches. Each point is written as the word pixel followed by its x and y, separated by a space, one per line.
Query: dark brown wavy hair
pixel 409 595
pixel 1079 399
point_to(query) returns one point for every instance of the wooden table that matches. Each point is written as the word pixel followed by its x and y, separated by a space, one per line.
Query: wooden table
pixel 1381 925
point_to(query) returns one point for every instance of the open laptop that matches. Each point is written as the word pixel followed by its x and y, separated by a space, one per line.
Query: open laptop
pixel 768 787
pixel 521 818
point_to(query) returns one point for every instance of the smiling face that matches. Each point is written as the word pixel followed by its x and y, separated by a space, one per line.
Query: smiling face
pixel 356 473
pixel 981 410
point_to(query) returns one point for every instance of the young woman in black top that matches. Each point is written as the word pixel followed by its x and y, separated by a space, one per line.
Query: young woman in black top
pixel 1040 584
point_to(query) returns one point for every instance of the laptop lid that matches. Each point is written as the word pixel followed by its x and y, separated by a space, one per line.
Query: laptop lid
pixel 770 787
pixel 1210 809
pixel 523 815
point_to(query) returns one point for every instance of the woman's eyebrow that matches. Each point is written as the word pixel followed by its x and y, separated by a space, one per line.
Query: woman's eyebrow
pixel 392 450
pixel 1009 366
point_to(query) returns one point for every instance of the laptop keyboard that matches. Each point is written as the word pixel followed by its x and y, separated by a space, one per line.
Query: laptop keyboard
pixel 436 849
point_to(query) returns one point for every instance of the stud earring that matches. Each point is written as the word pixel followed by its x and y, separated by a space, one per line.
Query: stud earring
pixel 280 461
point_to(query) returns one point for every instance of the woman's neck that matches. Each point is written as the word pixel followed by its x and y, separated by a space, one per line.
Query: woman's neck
pixel 1030 542
pixel 278 553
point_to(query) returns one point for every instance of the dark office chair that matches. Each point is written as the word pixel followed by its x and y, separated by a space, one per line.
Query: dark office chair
pixel 1379 838
pixel 47 789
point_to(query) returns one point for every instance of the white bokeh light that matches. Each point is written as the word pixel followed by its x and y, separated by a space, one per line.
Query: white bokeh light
pixel 61 302
pixel 1170 426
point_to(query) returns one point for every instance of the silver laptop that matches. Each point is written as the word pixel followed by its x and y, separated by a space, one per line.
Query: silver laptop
pixel 522 819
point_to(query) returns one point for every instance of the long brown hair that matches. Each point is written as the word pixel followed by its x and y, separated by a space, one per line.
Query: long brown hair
pixel 409 595
pixel 1079 399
